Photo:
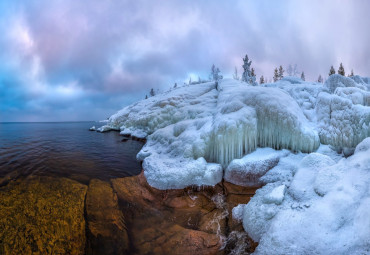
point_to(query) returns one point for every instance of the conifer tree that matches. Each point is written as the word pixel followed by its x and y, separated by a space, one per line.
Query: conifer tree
pixel 303 77
pixel 289 70
pixel 332 70
pixel 146 96
pixel 262 80
pixel 281 72
pixel 247 74
pixel 320 79
pixel 189 80
pixel 352 74
pixel 276 75
pixel 253 73
pixel 152 93
pixel 341 70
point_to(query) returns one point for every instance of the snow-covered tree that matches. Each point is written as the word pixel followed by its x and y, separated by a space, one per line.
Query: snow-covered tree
pixel 235 75
pixel 253 73
pixel 199 80
pixel 281 72
pixel 215 74
pixel 262 80
pixel 175 86
pixel 276 75
pixel 341 70
pixel 152 93
pixel 331 71
pixel 247 74
pixel 320 79
pixel 189 80
pixel 352 74
pixel 303 77
pixel 146 96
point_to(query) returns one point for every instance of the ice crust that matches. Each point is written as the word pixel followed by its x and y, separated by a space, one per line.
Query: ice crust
pixel 325 209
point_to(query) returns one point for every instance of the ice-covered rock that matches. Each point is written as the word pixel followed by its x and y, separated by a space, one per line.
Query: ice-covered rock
pixel 336 81
pixel 325 209
pixel 247 170
pixel 93 128
pixel 194 129
pixel 342 123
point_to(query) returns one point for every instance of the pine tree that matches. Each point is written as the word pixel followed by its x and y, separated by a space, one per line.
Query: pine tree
pixel 152 93
pixel 252 72
pixel 295 70
pixel 175 86
pixel 303 77
pixel 281 72
pixel 146 96
pixel 215 74
pixel 320 79
pixel 262 80
pixel 341 70
pixel 247 74
pixel 331 71
pixel 276 75
pixel 235 75
pixel 189 80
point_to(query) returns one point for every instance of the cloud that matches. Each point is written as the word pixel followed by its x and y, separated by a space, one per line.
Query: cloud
pixel 60 57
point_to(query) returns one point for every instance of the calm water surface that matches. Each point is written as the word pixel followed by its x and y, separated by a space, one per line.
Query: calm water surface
pixel 66 149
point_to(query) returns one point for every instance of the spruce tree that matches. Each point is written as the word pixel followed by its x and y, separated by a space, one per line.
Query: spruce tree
pixel 303 77
pixel 152 93
pixel 262 80
pixel 175 86
pixel 276 75
pixel 281 72
pixel 252 72
pixel 332 70
pixel 320 79
pixel 247 73
pixel 289 70
pixel 146 96
pixel 341 70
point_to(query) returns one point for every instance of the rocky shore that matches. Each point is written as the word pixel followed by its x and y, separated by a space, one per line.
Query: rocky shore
pixel 48 215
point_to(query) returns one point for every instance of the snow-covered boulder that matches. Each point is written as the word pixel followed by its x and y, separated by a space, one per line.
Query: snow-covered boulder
pixel 324 210
pixel 247 170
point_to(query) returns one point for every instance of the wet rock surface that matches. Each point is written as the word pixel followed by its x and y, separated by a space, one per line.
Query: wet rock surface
pixel 55 215
pixel 106 229
pixel 187 221
pixel 42 215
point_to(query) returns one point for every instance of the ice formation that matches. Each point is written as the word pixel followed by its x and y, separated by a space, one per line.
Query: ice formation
pixel 194 131
pixel 324 210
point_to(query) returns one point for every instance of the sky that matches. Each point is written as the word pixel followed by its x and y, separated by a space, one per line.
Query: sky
pixel 68 60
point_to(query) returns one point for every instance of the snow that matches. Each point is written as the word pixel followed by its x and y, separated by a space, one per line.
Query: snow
pixel 276 196
pixel 93 128
pixel 247 170
pixel 325 209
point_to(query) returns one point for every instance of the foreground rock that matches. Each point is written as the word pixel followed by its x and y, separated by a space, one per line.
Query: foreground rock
pixel 180 221
pixel 106 224
pixel 42 215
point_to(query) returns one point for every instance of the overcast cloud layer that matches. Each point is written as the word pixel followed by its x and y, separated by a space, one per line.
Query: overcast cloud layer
pixel 84 60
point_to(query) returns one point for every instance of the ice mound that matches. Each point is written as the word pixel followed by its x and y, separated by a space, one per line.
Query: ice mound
pixel 324 210
pixel 247 170
pixel 194 131
pixel 336 81
pixel 342 123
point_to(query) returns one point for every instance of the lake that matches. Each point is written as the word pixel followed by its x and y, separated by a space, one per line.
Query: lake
pixel 66 149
